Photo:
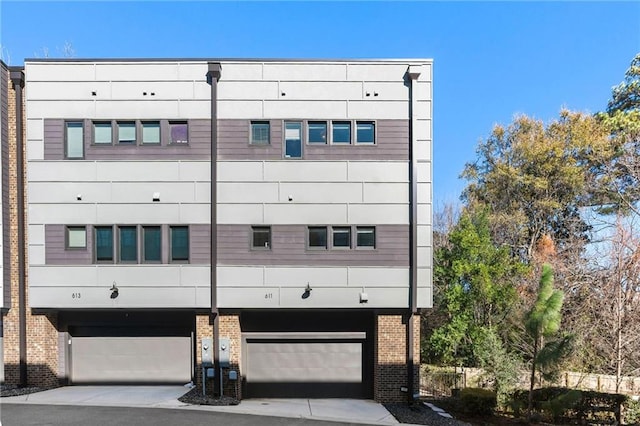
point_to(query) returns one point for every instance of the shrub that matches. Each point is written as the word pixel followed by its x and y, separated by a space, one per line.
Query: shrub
pixel 477 401
pixel 631 412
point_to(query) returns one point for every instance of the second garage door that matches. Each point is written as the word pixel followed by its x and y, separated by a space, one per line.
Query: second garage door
pixel 310 365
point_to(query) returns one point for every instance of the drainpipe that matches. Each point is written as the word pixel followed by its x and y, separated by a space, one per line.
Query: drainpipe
pixel 413 233
pixel 17 78
pixel 213 75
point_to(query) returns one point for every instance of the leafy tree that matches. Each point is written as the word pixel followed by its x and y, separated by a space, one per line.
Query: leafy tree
pixel 533 178
pixel 543 322
pixel 476 289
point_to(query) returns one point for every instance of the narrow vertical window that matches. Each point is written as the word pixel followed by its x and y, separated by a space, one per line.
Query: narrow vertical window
pixel 317 237
pixel 76 237
pixel 179 132
pixel 128 237
pixel 179 243
pixel 260 133
pixel 317 132
pixel 341 132
pixel 104 243
pixel 151 132
pixel 365 132
pixel 293 140
pixel 366 237
pixel 74 143
pixel 341 237
pixel 102 133
pixel 152 243
pixel 127 132
pixel 261 237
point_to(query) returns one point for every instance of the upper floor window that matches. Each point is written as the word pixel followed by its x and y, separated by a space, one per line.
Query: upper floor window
pixel 317 237
pixel 74 140
pixel 365 132
pixel 260 131
pixel 151 244
pixel 179 243
pixel 261 237
pixel 341 237
pixel 127 132
pixel 151 132
pixel 102 133
pixel 366 237
pixel 293 139
pixel 341 132
pixel 104 243
pixel 76 237
pixel 179 132
pixel 128 237
pixel 317 132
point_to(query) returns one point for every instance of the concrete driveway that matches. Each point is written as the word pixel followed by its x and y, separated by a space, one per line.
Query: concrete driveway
pixel 342 410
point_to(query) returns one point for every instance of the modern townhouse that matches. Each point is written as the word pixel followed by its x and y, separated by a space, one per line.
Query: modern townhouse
pixel 310 282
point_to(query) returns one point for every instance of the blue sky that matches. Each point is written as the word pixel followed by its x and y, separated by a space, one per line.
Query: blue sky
pixel 491 59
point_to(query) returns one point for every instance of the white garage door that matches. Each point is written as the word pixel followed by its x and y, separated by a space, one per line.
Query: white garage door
pixel 131 359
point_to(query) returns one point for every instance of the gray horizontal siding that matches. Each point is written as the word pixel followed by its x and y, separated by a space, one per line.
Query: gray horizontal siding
pixel 288 247
pixel 199 146
pixel 392 143
pixel 55 252
pixel 200 242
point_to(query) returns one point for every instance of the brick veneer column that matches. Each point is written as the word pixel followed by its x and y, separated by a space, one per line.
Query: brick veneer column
pixel 204 328
pixel 390 373
pixel 230 327
pixel 42 334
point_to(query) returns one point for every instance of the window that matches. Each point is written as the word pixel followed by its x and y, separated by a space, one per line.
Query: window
pixel 179 243
pixel 76 237
pixel 317 237
pixel 293 140
pixel 341 237
pixel 317 132
pixel 151 132
pixel 366 237
pixel 127 132
pixel 74 145
pixel 260 132
pixel 151 244
pixel 102 133
pixel 341 132
pixel 104 243
pixel 128 237
pixel 261 237
pixel 365 132
pixel 179 132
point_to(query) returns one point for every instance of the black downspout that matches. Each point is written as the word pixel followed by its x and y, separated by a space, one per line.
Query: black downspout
pixel 17 78
pixel 213 75
pixel 413 242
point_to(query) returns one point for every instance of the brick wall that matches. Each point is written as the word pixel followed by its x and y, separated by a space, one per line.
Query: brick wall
pixel 42 336
pixel 390 355
pixel 204 328
pixel 230 327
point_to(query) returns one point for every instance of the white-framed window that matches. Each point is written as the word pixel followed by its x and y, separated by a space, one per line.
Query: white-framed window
pixel 293 139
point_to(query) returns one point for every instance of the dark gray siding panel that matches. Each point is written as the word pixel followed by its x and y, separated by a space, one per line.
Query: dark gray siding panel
pixel 55 253
pixel 289 248
pixel 199 146
pixel 233 141
pixel 200 244
pixel 4 151
pixel 392 143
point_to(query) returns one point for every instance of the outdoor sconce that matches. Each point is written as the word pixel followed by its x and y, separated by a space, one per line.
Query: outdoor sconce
pixel 114 291
pixel 307 292
pixel 156 196
pixel 79 197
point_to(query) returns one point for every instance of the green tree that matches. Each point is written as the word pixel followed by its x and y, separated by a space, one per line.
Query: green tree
pixel 475 281
pixel 533 178
pixel 543 322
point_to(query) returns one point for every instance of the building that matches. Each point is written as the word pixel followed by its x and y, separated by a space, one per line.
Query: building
pixel 322 206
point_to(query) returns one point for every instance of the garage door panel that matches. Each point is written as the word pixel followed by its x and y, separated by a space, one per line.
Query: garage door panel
pixel 141 359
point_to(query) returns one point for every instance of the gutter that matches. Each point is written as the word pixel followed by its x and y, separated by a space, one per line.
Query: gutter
pixel 17 78
pixel 213 75
pixel 412 75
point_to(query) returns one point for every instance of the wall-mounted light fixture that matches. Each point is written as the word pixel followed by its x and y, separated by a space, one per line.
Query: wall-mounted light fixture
pixel 307 292
pixel 79 197
pixel 156 197
pixel 114 291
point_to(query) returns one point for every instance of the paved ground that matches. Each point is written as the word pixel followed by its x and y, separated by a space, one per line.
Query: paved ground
pixel 65 415
pixel 350 411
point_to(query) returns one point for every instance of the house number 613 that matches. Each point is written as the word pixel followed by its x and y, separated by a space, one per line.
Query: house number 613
pixel 75 295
